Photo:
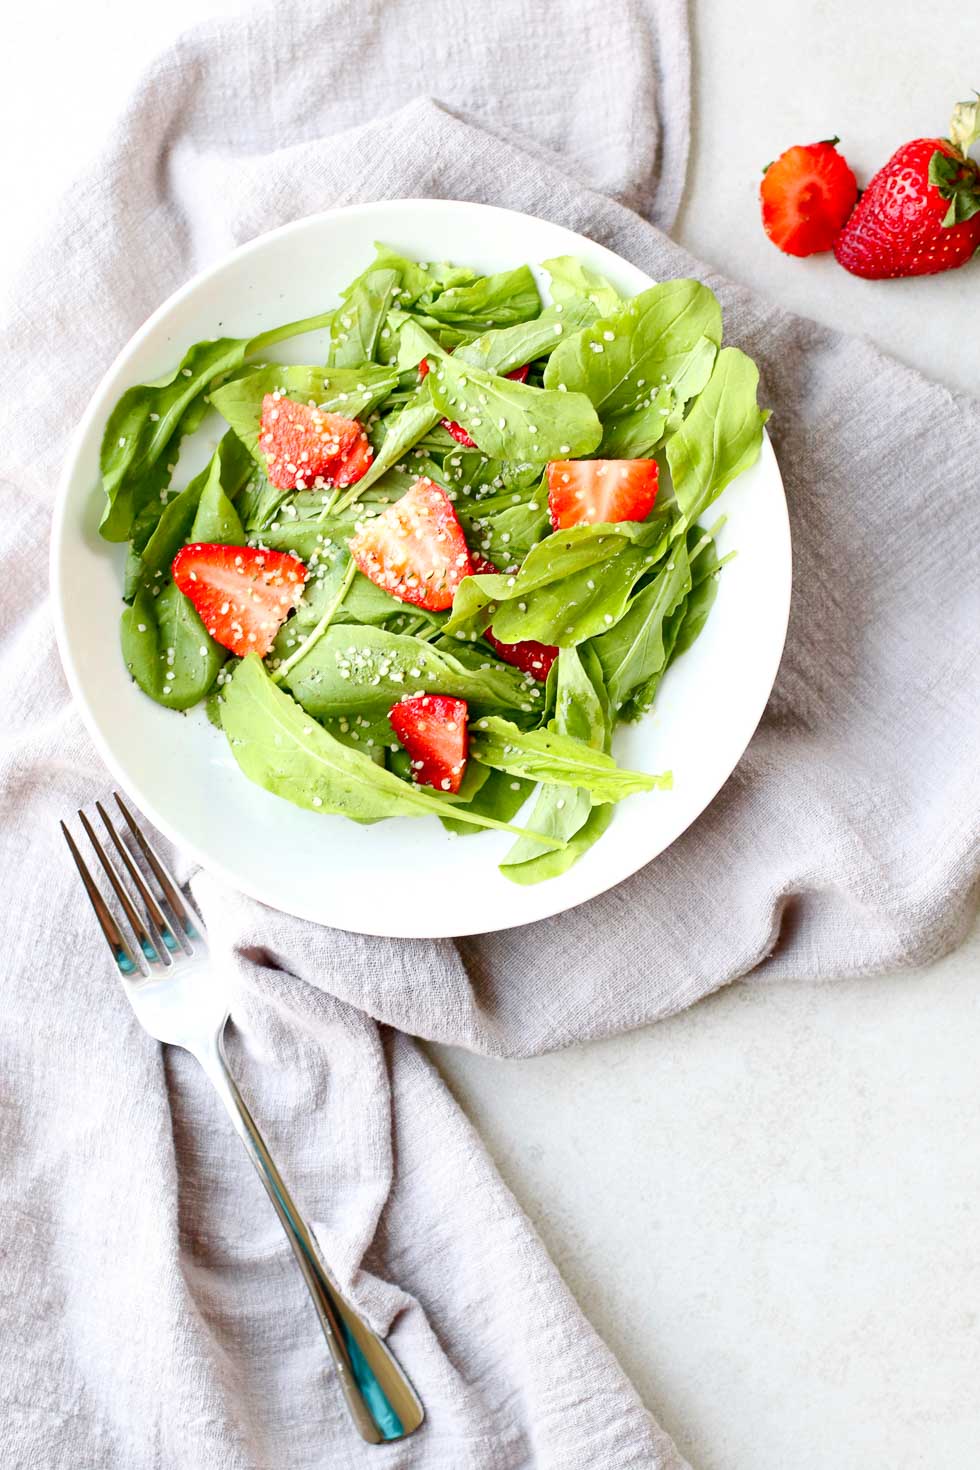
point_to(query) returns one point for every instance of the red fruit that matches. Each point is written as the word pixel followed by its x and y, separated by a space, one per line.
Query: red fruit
pixel 586 491
pixel 304 446
pixel 415 549
pixel 529 656
pixel 920 214
pixel 458 433
pixel 807 194
pixel 242 594
pixel 519 375
pixel 432 728
pixel 357 462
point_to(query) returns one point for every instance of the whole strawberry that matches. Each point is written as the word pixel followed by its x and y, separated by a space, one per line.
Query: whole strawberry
pixel 920 214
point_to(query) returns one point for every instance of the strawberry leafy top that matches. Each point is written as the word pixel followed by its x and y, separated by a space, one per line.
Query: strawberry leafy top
pixel 955 175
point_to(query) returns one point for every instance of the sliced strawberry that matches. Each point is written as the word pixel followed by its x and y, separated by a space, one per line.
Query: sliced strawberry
pixel 585 491
pixel 458 433
pixel 355 462
pixel 529 656
pixel 304 446
pixel 519 375
pixel 242 594
pixel 415 549
pixel 432 728
pixel 807 195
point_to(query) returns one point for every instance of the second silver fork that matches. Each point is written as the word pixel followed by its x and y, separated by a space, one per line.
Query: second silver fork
pixel 182 999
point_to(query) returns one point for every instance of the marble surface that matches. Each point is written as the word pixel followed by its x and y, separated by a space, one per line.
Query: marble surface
pixel 768 1205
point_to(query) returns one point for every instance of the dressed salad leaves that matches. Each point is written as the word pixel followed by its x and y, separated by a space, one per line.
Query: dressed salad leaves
pixel 432 564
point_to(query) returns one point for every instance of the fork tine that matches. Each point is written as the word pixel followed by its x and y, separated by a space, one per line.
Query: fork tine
pixel 158 919
pixel 115 939
pixel 187 916
pixel 143 935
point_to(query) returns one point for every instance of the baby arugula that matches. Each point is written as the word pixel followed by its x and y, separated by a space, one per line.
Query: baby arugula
pixel 506 419
pixel 280 747
pixel 571 586
pixel 351 391
pixel 606 377
pixel 571 815
pixel 144 430
pixel 365 670
pixel 165 646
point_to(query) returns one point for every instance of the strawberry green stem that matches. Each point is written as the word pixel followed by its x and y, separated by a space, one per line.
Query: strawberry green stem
pixel 964 130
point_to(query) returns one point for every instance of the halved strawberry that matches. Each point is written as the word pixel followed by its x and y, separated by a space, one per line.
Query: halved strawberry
pixel 242 593
pixel 585 491
pixel 529 656
pixel 304 446
pixel 433 729
pixel 807 195
pixel 415 549
pixel 519 375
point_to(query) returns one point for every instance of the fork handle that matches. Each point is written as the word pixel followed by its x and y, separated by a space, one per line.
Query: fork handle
pixel 382 1402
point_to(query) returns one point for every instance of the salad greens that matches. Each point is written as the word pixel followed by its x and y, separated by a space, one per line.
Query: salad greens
pixel 419 354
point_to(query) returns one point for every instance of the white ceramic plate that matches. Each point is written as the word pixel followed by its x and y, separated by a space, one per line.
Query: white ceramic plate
pixel 401 877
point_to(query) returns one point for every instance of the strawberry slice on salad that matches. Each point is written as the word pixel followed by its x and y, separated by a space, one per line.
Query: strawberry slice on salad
pixel 242 594
pixel 519 375
pixel 433 729
pixel 305 446
pixel 415 550
pixel 582 492
pixel 529 656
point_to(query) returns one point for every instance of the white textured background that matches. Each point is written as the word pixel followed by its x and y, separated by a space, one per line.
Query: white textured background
pixel 771 1204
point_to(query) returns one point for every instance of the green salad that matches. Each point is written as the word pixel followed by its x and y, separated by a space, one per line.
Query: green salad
pixel 431 574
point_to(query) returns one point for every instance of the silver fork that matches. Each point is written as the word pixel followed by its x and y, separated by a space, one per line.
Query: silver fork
pixel 181 998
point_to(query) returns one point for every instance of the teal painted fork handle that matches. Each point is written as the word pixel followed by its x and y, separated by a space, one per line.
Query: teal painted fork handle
pixel 382 1402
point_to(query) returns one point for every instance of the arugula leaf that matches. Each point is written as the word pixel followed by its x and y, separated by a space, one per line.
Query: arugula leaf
pixel 165 645
pixel 681 627
pixel 505 533
pixel 417 280
pixel 499 300
pixel 364 603
pixel 400 432
pixel 229 469
pixel 544 755
pixel 353 392
pixel 573 585
pixel 511 347
pixel 366 670
pixel 699 602
pixel 468 473
pixel 499 351
pixel 497 794
pixel 143 431
pixel 636 433
pixel 582 711
pixel 574 285
pixel 279 747
pixel 633 651
pixel 720 437
pixel 622 362
pixel 509 420
pixel 355 331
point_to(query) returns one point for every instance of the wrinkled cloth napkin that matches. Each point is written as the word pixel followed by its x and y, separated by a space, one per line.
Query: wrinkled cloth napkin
pixel 150 1311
